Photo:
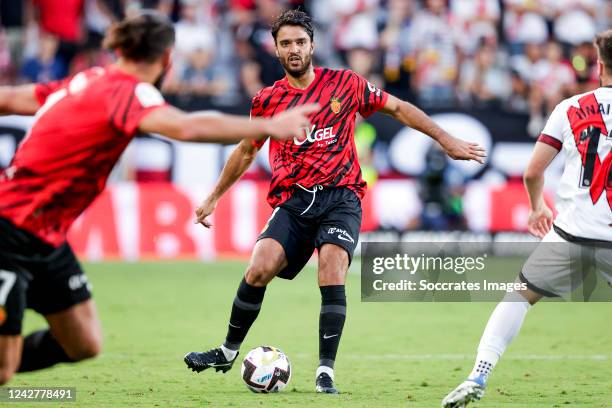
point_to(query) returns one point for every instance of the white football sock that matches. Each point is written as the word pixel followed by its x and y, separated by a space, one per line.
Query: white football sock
pixel 324 369
pixel 503 326
pixel 229 353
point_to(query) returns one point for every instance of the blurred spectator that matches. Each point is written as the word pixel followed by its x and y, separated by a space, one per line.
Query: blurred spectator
pixel 255 46
pixel 47 65
pixel 99 15
pixel 355 23
pixel 91 55
pixel 62 19
pixel 524 22
pixel 436 57
pixel 196 71
pixel 476 20
pixel 583 60
pixel 12 17
pixel 192 36
pixel 553 81
pixel 483 80
pixel 531 65
pixel 574 20
pixel 5 60
pixel 558 81
pixel 397 59
pixel 199 76
pixel 518 100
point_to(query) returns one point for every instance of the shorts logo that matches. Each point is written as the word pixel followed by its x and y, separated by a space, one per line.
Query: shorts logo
pixel 335 105
pixel 78 281
pixel 342 234
pixel 269 219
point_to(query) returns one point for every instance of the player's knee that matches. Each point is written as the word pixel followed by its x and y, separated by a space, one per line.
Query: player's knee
pixel 6 373
pixel 87 348
pixel 333 265
pixel 259 274
pixel 332 277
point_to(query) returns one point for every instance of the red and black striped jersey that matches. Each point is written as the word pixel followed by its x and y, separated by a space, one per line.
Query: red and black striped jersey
pixel 326 154
pixel 81 129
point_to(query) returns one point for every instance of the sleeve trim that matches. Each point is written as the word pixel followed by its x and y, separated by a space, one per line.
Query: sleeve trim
pixel 551 141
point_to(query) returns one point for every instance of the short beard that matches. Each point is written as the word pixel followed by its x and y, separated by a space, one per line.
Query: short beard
pixel 160 79
pixel 300 72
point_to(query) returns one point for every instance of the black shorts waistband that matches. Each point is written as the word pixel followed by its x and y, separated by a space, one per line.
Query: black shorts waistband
pixel 580 240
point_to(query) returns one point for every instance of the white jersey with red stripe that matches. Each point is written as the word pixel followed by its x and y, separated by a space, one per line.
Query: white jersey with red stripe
pixel 582 127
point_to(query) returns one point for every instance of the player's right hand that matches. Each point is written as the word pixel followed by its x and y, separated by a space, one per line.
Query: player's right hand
pixel 458 149
pixel 291 123
pixel 204 210
pixel 540 221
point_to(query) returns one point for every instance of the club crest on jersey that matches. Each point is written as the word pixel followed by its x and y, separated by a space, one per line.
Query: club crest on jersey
pixel 335 105
pixel 315 135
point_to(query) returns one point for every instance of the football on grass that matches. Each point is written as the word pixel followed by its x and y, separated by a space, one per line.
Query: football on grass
pixel 266 369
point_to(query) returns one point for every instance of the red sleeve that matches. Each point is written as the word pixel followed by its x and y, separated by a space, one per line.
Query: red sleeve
pixel 370 98
pixel 257 110
pixel 131 103
pixel 44 89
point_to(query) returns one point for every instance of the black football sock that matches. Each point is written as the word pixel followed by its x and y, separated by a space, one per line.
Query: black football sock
pixel 41 350
pixel 331 322
pixel 245 309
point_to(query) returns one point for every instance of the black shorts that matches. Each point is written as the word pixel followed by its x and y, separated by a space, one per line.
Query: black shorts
pixel 36 275
pixel 312 218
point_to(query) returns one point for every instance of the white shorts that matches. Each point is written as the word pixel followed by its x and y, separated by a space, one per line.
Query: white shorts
pixel 558 267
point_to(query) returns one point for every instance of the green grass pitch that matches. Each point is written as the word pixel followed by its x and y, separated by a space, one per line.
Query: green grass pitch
pixel 391 355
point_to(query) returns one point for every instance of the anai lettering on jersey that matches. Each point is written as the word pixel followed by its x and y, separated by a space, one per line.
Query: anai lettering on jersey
pixel 317 135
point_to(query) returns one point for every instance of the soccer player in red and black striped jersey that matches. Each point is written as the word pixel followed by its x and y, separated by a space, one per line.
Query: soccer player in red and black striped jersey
pixel 315 190
pixel 82 126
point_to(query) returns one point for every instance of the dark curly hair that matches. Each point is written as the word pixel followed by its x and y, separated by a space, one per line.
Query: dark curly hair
pixel 293 18
pixel 142 38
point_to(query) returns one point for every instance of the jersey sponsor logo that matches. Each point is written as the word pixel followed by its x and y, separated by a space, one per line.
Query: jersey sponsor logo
pixel 335 105
pixel 316 135
pixel 148 95
pixel 342 234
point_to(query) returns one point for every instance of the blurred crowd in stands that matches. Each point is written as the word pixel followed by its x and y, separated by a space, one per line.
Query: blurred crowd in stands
pixel 517 55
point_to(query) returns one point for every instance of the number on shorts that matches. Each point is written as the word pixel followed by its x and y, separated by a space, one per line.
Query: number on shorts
pixel 8 281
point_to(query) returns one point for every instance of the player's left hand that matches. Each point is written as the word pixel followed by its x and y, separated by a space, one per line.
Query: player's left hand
pixel 204 210
pixel 458 149
pixel 540 221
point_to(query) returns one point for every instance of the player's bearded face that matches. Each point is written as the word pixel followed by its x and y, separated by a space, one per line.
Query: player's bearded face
pixel 296 64
pixel 294 50
pixel 167 63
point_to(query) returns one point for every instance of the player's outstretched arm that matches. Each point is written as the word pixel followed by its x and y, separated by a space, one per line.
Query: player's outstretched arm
pixel 410 115
pixel 239 162
pixel 18 100
pixel 540 216
pixel 221 128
